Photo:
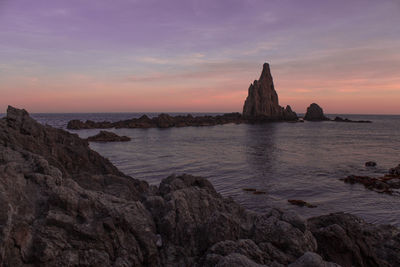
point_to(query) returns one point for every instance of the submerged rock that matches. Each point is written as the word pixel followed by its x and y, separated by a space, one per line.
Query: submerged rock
pixel 105 136
pixel 315 113
pixel 389 183
pixel 62 204
pixel 370 164
pixel 262 100
pixel 339 119
pixel 301 203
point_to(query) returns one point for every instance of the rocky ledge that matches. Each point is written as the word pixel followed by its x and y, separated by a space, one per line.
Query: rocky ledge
pixel 62 204
pixel 104 136
pixel 161 121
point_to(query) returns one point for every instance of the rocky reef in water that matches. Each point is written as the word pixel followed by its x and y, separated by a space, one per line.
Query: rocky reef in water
pixel 262 102
pixel 316 113
pixel 161 121
pixel 261 105
pixel 62 204
pixel 388 184
pixel 104 136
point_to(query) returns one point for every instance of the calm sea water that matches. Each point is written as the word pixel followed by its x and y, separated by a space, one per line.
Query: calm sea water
pixel 286 160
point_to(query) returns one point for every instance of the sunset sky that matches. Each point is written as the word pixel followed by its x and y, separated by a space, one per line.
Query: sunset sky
pixel 198 55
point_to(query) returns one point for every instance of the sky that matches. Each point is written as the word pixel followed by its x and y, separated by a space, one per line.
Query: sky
pixel 198 55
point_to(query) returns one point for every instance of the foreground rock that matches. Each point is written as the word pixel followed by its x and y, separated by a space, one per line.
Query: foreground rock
pixel 348 241
pixel 105 136
pixel 62 204
pixel 262 101
pixel 161 121
pixel 315 113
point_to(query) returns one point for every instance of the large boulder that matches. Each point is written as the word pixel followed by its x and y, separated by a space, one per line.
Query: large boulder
pixel 315 113
pixel 349 241
pixel 262 100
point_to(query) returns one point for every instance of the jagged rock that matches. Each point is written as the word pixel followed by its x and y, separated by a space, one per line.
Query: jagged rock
pixel 105 136
pixel 262 100
pixel 349 241
pixel 315 113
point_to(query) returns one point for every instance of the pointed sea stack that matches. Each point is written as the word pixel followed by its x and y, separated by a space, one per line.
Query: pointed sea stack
pixel 262 102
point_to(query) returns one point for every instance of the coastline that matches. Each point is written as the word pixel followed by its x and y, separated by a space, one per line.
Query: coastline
pixel 158 226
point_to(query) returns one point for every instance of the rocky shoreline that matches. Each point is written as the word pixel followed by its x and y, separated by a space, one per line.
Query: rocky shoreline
pixel 63 204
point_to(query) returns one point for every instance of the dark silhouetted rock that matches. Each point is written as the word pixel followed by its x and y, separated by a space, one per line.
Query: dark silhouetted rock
pixel 161 121
pixel 262 100
pixel 315 113
pixel 370 164
pixel 301 203
pixel 339 119
pixel 105 136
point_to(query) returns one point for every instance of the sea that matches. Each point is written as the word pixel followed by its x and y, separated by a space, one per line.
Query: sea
pixel 285 160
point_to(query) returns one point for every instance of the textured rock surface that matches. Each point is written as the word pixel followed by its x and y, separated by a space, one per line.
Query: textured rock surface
pixel 62 204
pixel 348 241
pixel 262 101
pixel 105 136
pixel 315 113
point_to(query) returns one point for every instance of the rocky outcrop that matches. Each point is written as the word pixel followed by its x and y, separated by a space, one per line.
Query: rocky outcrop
pixel 105 136
pixel 62 204
pixel 161 121
pixel 340 119
pixel 389 183
pixel 262 100
pixel 315 113
pixel 349 241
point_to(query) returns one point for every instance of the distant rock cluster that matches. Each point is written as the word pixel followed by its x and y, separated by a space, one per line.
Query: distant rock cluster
pixel 261 105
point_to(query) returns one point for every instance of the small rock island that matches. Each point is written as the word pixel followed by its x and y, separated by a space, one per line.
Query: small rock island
pixel 104 136
pixel 262 101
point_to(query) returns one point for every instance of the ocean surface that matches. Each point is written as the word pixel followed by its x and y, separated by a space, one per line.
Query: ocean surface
pixel 286 160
